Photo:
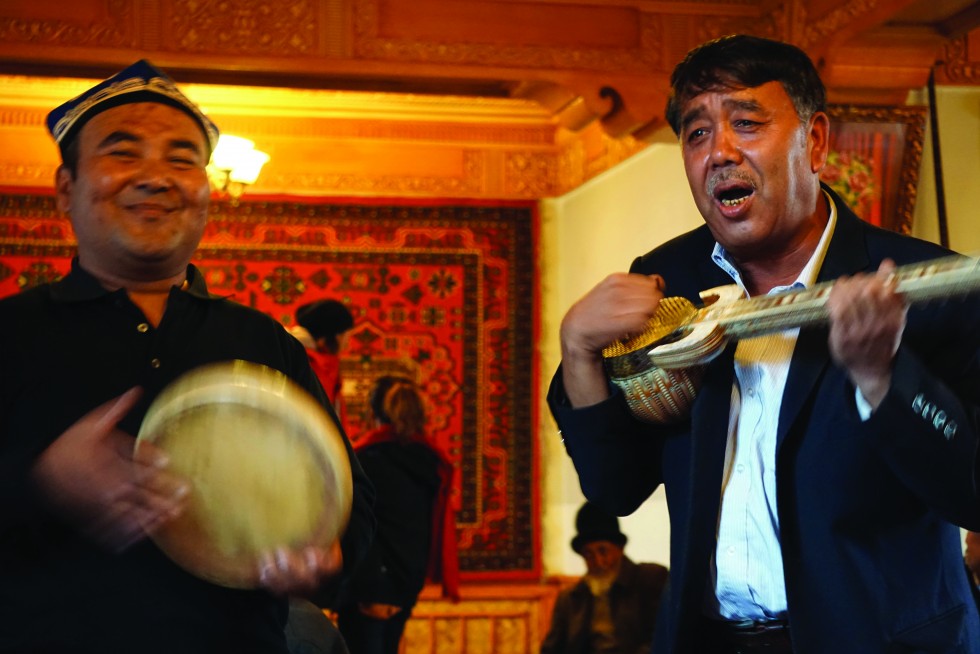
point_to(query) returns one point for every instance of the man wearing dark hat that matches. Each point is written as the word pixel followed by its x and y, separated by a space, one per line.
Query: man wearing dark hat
pixel 613 608
pixel 82 360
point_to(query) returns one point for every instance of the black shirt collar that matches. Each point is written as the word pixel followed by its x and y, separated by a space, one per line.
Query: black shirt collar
pixel 79 285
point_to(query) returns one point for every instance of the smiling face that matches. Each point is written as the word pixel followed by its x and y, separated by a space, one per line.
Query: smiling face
pixel 138 200
pixel 753 169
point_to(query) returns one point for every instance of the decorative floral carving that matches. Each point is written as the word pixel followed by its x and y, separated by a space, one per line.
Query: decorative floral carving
pixel 117 30
pixel 956 67
pixel 280 27
pixel 530 175
pixel 835 20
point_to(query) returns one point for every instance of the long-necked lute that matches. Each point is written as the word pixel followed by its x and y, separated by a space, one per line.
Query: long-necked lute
pixel 660 369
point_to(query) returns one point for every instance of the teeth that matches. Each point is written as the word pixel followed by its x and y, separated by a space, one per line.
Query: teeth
pixel 735 202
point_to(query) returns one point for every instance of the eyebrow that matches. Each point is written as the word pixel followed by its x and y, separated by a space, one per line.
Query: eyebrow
pixel 122 136
pixel 182 144
pixel 119 136
pixel 727 103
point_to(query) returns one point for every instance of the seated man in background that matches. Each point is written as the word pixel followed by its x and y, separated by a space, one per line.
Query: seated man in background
pixel 612 609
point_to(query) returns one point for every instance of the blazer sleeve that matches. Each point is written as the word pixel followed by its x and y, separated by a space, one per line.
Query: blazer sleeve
pixel 927 425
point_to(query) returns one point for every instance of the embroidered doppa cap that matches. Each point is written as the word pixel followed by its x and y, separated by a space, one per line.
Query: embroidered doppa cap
pixel 140 82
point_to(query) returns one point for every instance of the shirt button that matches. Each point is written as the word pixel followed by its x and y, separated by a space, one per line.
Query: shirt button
pixel 731 549
pixel 740 468
pixel 751 392
pixel 154 363
pixel 142 328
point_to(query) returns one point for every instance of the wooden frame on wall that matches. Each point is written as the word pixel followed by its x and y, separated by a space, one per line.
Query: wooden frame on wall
pixel 874 160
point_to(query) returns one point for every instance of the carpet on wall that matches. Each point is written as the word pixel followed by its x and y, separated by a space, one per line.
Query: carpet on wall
pixel 441 292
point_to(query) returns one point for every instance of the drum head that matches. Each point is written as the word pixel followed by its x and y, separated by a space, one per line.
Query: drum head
pixel 266 463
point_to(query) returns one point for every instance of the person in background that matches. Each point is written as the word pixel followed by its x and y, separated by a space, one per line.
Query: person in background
pixel 83 358
pixel 321 326
pixel 815 484
pixel 971 558
pixel 416 536
pixel 613 608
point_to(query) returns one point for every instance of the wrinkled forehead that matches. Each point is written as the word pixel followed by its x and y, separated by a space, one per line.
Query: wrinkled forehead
pixel 769 97
pixel 145 121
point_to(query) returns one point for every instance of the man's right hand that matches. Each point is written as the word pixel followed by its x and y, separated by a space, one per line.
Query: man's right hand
pixel 89 477
pixel 620 305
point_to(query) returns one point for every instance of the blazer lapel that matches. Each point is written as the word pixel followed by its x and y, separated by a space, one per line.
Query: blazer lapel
pixel 846 254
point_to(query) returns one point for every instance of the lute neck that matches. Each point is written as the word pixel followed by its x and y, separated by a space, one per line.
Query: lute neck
pixel 931 280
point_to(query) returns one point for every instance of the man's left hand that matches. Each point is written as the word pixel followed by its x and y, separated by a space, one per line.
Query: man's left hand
pixel 299 572
pixel 867 317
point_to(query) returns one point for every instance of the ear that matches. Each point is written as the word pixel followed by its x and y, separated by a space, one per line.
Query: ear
pixel 819 140
pixel 64 182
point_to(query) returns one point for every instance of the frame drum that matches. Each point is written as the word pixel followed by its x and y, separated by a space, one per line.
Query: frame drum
pixel 266 464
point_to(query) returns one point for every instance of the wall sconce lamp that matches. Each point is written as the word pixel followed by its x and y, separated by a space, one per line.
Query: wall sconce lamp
pixel 235 164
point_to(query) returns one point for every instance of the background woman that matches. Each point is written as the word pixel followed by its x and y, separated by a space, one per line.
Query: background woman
pixel 415 537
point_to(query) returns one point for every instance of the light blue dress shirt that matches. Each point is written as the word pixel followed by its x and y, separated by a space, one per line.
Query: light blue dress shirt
pixel 747 571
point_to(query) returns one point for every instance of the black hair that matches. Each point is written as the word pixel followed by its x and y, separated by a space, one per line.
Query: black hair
pixel 742 61
pixel 69 154
pixel 325 319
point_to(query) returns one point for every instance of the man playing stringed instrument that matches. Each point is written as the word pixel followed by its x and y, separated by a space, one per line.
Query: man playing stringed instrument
pixel 815 478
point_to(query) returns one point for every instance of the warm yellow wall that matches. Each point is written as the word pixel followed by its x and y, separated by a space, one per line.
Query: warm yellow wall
pixel 601 226
pixel 585 235
pixel 958 109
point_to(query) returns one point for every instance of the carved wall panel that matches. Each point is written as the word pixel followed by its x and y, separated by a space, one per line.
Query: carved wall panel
pixel 96 24
pixel 960 63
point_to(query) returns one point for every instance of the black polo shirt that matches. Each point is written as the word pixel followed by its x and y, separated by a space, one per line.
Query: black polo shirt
pixel 66 348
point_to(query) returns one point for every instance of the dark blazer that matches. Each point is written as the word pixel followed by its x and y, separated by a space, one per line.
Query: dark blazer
pixel 634 600
pixel 871 558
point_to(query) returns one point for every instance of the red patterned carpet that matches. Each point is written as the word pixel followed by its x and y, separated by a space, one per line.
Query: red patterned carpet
pixel 442 293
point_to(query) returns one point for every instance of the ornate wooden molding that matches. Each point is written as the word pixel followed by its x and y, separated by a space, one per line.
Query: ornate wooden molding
pixel 469 65
pixel 97 24
pixel 639 54
pixel 337 143
pixel 957 66
pixel 282 28
pixel 825 26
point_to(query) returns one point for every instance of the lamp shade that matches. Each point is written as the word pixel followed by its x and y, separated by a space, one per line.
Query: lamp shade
pixel 229 151
pixel 247 167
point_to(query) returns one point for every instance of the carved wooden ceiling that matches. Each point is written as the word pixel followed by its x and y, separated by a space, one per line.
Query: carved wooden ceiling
pixel 512 98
